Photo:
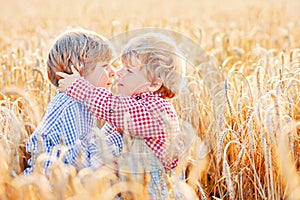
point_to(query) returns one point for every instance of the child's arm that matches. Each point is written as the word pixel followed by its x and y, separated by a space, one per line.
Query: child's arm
pixel 121 111
pixel 60 126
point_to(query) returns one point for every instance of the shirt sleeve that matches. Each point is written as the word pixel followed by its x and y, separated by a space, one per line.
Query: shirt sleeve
pixel 31 148
pixel 65 131
pixel 122 111
pixel 108 129
pixel 115 141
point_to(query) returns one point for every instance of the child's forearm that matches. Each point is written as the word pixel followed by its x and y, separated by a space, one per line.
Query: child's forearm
pixel 121 111
pixel 79 90
pixel 97 100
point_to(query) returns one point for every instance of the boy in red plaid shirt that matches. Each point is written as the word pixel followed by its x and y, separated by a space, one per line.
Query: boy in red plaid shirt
pixel 150 74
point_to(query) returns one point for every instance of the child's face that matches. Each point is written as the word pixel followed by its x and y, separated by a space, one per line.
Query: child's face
pixel 132 80
pixel 101 75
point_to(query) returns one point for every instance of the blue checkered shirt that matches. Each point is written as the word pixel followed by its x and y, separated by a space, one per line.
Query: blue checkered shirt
pixel 114 139
pixel 69 123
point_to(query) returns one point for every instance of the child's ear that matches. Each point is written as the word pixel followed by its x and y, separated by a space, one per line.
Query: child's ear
pixel 154 86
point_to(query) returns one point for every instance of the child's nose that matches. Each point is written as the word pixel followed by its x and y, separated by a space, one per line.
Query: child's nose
pixel 111 72
pixel 120 73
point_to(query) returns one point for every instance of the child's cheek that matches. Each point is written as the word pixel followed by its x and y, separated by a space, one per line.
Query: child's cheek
pixel 100 83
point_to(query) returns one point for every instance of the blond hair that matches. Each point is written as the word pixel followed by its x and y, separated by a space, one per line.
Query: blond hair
pixel 81 48
pixel 159 57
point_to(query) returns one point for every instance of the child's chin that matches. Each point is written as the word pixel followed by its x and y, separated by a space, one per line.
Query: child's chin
pixel 120 92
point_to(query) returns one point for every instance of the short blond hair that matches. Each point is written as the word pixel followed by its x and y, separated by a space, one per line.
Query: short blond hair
pixel 159 57
pixel 81 48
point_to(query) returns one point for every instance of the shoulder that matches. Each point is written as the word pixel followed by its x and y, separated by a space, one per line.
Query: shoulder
pixel 60 112
pixel 60 105
pixel 62 99
pixel 157 99
pixel 156 102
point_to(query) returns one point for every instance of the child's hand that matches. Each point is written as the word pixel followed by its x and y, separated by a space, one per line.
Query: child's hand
pixel 67 79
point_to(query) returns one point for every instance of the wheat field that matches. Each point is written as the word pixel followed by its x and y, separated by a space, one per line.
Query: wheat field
pixel 246 107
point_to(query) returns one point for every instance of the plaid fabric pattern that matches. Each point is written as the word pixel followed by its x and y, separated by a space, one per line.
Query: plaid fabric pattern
pixel 69 123
pixel 147 115
pixel 114 139
pixel 139 161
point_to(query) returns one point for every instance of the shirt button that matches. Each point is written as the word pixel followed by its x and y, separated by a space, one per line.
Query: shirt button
pixel 111 111
pixel 138 98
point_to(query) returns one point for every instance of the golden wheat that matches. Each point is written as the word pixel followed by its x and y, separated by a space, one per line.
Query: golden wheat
pixel 243 101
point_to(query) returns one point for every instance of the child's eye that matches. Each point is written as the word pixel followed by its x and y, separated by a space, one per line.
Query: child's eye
pixel 129 70
pixel 105 66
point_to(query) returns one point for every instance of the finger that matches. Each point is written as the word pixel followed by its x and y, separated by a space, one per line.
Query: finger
pixel 74 70
pixel 61 74
pixel 60 82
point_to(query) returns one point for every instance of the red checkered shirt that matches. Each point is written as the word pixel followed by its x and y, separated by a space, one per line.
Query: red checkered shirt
pixel 146 115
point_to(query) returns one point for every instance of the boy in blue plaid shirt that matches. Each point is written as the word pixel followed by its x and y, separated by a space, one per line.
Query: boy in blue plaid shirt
pixel 67 122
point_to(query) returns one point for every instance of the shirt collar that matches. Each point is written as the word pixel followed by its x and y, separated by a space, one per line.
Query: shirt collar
pixel 145 95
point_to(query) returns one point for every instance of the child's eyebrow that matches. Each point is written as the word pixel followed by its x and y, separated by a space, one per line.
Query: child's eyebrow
pixel 105 64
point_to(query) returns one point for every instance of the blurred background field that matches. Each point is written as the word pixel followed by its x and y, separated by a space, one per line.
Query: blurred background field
pixel 248 105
